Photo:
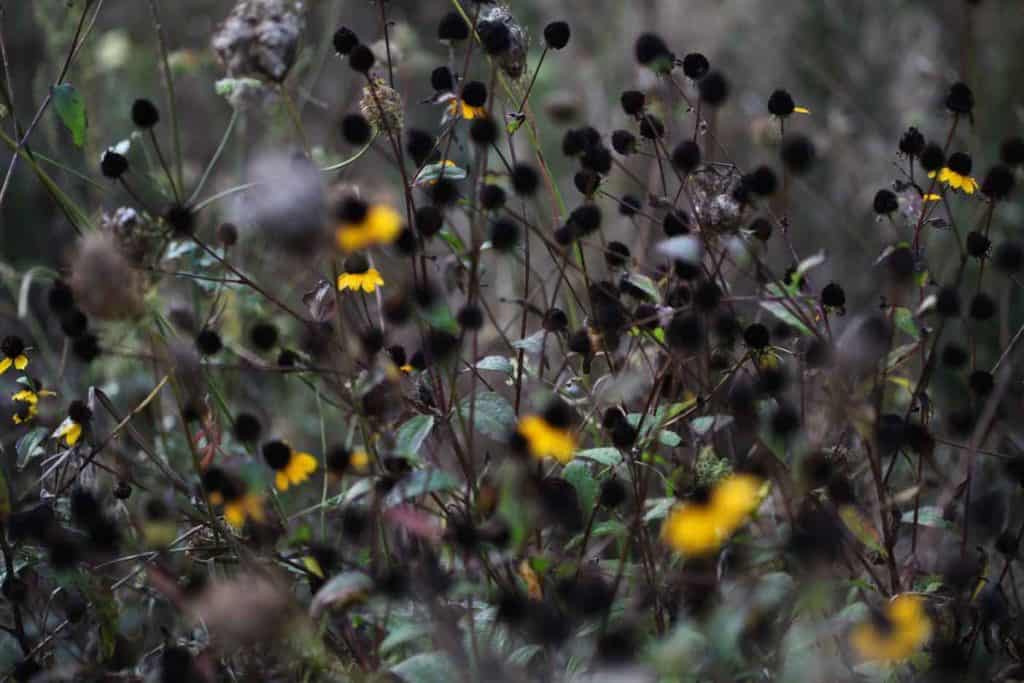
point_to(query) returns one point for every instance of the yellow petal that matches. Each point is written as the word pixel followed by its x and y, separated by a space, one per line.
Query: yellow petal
pixel 313 566
pixel 234 512
pixel 359 460
pixel 21 362
pixel 383 223
pixel 281 481
pixel 5 364
pixel 970 185
pixel 344 282
pixel 26 396
pixel 801 110
pixel 546 441
pixel 691 530
pixel 931 197
pixel 73 434
pixel 372 280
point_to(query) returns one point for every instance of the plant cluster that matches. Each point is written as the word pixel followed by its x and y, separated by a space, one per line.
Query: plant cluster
pixel 452 418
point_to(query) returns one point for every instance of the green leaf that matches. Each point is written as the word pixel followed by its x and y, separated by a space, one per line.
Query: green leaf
pixel 418 483
pixel 927 515
pixel 406 633
pixel 659 507
pixel 432 172
pixel 495 364
pixel 782 313
pixel 531 344
pixel 428 667
pixel 412 434
pixel 70 108
pixel 904 320
pixel 646 285
pixel 578 474
pixel 706 424
pixel 606 456
pixel 29 446
pixel 494 416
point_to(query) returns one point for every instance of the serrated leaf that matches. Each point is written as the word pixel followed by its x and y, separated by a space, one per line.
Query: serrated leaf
pixel 493 414
pixel 419 483
pixel 578 474
pixel 411 435
pixel 70 108
pixel 609 457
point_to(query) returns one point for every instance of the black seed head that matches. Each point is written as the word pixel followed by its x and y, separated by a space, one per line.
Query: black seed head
pixel 983 306
pixel 798 153
pixel 344 40
pixel 525 180
pixel 686 156
pixel 555 320
pixel 781 104
pixel 998 183
pixel 629 205
pixel 1011 152
pixel 954 356
pixel 651 50
pixel 182 219
pixel 227 234
pixel 556 34
pixel 695 66
pixel 960 99
pixel 1009 257
pixel 483 131
pixel 419 144
pixel 247 428
pixel 263 336
pixel 981 383
pixel 685 332
pixel 452 27
pixel 885 202
pixel 474 93
pixel 495 37
pixel 597 158
pixel 145 114
pixel 757 336
pixel 504 234
pixel 277 454
pixel 623 142
pixel 208 342
pixel 444 192
pixel 932 158
pixel 633 102
pixel 616 255
pixel 977 244
pixel 113 165
pixel 74 323
pixel 429 221
pixel 912 142
pixel 492 197
pixel 79 412
pixel 761 181
pixel 714 89
pixel 947 302
pixel 675 223
pixel 470 317
pixel 833 296
pixel 361 59
pixel 356 129
pixel 585 219
pixel 613 493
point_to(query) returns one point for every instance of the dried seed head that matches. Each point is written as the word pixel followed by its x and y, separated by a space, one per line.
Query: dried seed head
pixel 498 21
pixel 104 282
pixel 260 38
pixel 135 236
pixel 381 105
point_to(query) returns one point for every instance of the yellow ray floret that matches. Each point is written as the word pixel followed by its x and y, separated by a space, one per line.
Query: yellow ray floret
pixel 381 225
pixel 546 441
pixel 299 467
pixel 246 506
pixel 367 281
pixel 70 431
pixel 905 630
pixel 951 178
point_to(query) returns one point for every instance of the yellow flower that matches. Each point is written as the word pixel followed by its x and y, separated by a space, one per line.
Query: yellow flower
pixel 905 628
pixel 73 426
pixel 70 430
pixel 359 460
pixel 359 275
pixel 291 467
pixel 457 107
pixel 691 529
pixel 735 498
pixel 244 507
pixel 29 400
pixel 801 110
pixel 546 440
pixel 12 349
pixel 700 529
pixel 365 226
pixel 957 181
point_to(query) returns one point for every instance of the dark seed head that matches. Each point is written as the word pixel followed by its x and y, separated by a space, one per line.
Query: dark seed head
pixel 263 336
pixel 686 156
pixel 1009 257
pixel 277 454
pixel 113 165
pixel 633 102
pixel 504 234
pixel 932 158
pixel 145 114
pixel 356 129
pixel 556 34
pixel 208 342
pixel 798 153
pixel 344 40
pixel 885 202
pixel 525 180
pixel 651 50
pixel 714 89
pixel 998 183
pixel 960 99
pixel 452 27
pixel 781 104
pixel 361 59
pixel 695 66
pixel 623 142
pixel 247 428
pixel 912 142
